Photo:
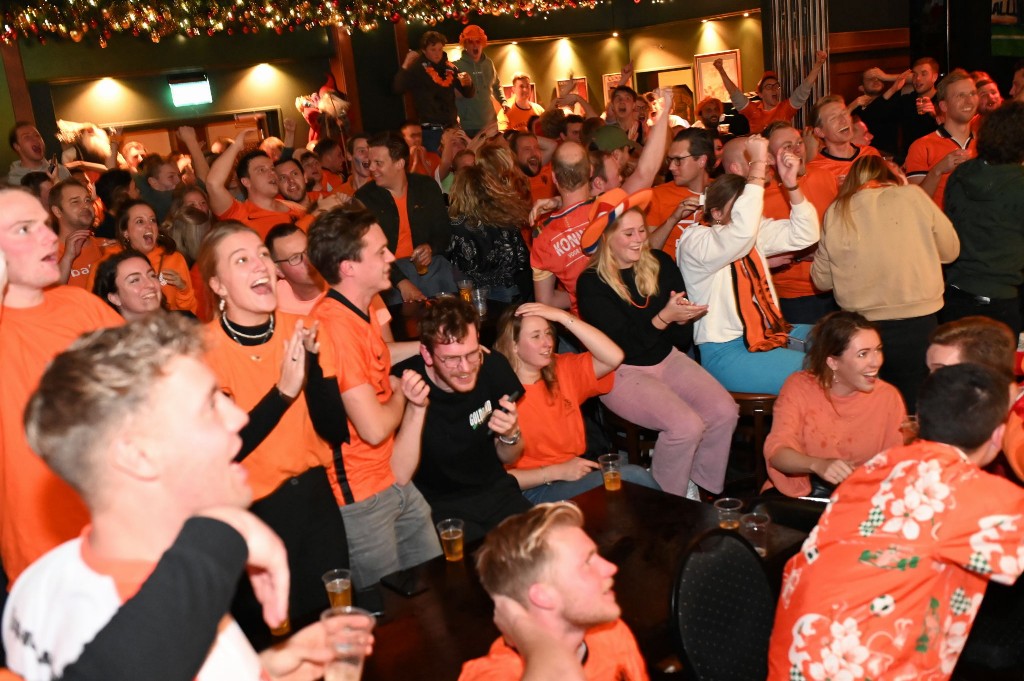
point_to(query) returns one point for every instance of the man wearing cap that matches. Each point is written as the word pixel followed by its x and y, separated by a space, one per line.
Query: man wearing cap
pixel 771 107
pixel 613 140
pixel 477 112
pixel 710 112
pixel 676 204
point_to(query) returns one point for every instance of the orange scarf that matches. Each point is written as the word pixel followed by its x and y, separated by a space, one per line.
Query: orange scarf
pixel 763 326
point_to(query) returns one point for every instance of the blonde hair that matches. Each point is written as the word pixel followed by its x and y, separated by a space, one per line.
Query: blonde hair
pixel 497 160
pixel 646 270
pixel 516 551
pixel 865 169
pixel 484 199
pixel 510 326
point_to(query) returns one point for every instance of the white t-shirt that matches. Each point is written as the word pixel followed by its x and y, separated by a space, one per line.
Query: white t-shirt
pixel 60 603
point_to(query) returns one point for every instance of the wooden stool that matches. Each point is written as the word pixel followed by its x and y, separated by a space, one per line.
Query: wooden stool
pixel 757 407
pixel 626 436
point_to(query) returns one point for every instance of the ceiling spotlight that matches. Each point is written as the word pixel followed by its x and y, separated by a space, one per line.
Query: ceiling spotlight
pixel 515 42
pixel 615 34
pixel 703 21
pixel 746 14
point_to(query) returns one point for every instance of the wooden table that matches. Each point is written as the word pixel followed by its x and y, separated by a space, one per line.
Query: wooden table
pixel 643 531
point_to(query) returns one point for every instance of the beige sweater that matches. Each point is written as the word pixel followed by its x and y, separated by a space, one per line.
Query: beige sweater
pixel 885 260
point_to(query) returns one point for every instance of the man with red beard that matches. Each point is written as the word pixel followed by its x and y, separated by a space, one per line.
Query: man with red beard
pixel 38 319
pixel 771 107
pixel 532 158
pixel 547 580
pixel 261 209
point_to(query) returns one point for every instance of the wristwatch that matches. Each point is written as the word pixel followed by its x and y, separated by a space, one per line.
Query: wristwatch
pixel 514 440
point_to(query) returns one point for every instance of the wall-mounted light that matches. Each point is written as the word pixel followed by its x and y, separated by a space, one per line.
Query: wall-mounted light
pixel 746 14
pixel 515 42
pixel 615 34
pixel 703 21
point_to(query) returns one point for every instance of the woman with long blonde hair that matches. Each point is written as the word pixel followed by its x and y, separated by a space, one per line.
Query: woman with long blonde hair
pixel 637 297
pixel 881 252
pixel 487 244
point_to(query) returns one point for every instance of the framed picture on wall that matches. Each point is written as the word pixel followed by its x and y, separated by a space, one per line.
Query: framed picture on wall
pixel 579 86
pixel 609 82
pixel 706 76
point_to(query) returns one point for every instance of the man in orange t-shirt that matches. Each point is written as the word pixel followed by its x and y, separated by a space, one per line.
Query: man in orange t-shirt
pixel 559 597
pixel 387 520
pixel 529 156
pixel 675 205
pixel 771 108
pixel 262 210
pixel 79 251
pixel 799 301
pixel 834 125
pixel 421 161
pixel 38 319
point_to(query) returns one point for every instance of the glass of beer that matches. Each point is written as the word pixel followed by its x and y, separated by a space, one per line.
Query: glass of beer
pixel 729 512
pixel 611 470
pixel 339 587
pixel 346 629
pixel 451 531
pixel 466 290
pixel 755 530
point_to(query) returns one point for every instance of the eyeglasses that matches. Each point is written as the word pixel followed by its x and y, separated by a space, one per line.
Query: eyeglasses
pixel 678 159
pixel 771 86
pixel 293 260
pixel 455 361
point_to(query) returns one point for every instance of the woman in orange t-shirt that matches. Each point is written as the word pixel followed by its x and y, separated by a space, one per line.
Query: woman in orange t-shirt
pixel 552 467
pixel 137 228
pixel 836 413
pixel 264 359
pixel 127 282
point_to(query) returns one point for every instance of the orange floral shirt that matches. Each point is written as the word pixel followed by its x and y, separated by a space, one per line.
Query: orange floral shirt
pixel 888 584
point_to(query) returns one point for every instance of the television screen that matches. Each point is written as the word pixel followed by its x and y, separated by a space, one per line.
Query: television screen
pixel 191 91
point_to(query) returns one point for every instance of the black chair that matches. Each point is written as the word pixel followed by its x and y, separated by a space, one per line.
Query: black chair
pixel 723 608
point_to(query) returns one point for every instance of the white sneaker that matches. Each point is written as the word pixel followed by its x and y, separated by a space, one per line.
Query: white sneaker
pixel 692 491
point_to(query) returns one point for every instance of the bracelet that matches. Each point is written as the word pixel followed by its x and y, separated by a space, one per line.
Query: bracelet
pixel 514 440
pixel 755 178
pixel 544 472
pixel 758 161
pixel 790 189
pixel 662 320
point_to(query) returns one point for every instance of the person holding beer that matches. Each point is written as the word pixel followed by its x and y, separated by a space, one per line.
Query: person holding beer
pixel 433 82
pixel 552 467
pixel 266 360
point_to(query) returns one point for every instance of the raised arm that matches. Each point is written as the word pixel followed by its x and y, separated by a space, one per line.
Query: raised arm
pixel 220 171
pixel 739 100
pixel 408 441
pixel 187 135
pixel 653 155
pixel 803 91
pixel 606 354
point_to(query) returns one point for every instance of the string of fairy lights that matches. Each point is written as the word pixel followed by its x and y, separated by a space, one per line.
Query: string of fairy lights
pixel 95 20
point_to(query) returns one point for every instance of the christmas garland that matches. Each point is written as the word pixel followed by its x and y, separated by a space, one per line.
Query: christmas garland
pixel 99 20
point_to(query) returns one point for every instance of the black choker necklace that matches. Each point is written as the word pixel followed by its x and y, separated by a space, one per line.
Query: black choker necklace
pixel 263 331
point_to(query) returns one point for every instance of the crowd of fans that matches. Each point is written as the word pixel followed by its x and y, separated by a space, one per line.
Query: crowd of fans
pixel 671 261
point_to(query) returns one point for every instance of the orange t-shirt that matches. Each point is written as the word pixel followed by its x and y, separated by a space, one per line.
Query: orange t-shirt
pixel 819 187
pixel 852 428
pixel 330 181
pixel 759 118
pixel 353 350
pixel 260 219
pixel 926 151
pixel 83 269
pixel 431 161
pixel 161 261
pixel 38 510
pixel 518 118
pixel 552 425
pixel 1013 439
pixel 542 185
pixel 404 247
pixel 665 198
pixel 612 654
pixel 839 167
pixel 247 373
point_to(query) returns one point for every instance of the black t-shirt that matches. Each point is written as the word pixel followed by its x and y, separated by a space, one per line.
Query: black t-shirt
pixel 629 324
pixel 458 455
